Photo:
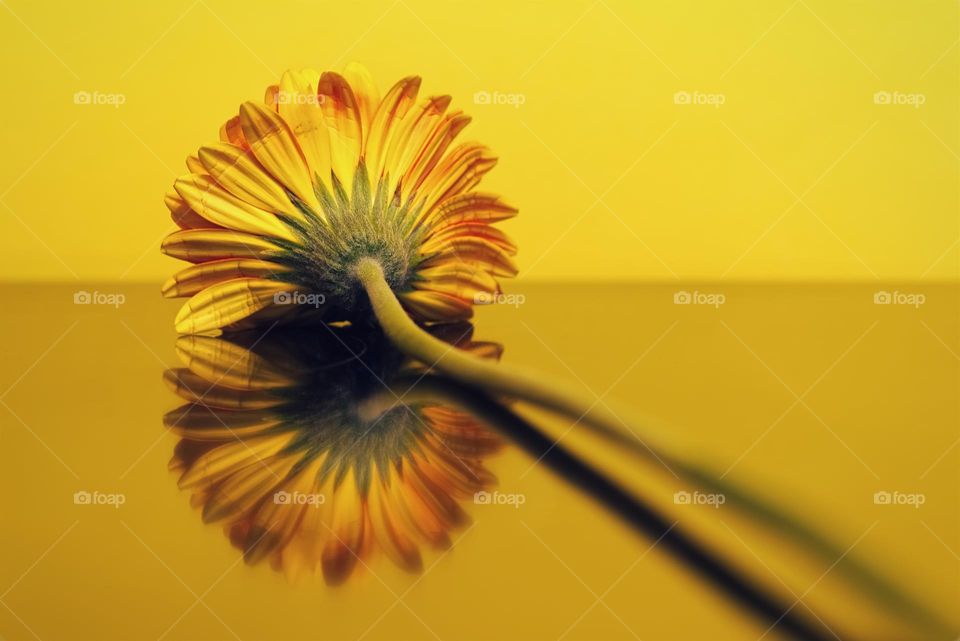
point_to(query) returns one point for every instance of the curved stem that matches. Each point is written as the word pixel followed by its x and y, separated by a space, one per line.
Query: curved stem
pixel 493 377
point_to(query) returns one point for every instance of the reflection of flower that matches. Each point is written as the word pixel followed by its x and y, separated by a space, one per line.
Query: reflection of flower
pixel 311 465
pixel 323 174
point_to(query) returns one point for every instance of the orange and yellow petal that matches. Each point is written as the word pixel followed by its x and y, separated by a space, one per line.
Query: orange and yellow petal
pixel 225 303
pixel 275 147
pixel 196 278
pixel 216 204
pixel 202 245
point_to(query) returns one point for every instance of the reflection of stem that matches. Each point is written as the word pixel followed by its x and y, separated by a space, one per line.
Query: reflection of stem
pixel 638 515
pixel 570 400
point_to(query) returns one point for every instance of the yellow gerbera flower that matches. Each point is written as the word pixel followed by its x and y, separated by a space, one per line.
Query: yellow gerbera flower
pixel 320 175
pixel 325 202
pixel 299 451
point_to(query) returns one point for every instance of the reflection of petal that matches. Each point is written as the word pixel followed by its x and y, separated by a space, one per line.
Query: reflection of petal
pixel 193 387
pixel 223 362
pixel 274 524
pixel 223 461
pixel 201 423
pixel 347 528
pixel 241 490
pixel 388 530
pixel 272 419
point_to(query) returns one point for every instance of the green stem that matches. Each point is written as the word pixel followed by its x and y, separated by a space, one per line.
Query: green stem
pixel 499 378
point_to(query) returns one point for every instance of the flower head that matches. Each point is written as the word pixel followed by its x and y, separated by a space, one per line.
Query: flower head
pixel 320 175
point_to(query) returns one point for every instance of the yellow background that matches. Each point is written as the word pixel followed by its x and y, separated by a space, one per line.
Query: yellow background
pixel 798 175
